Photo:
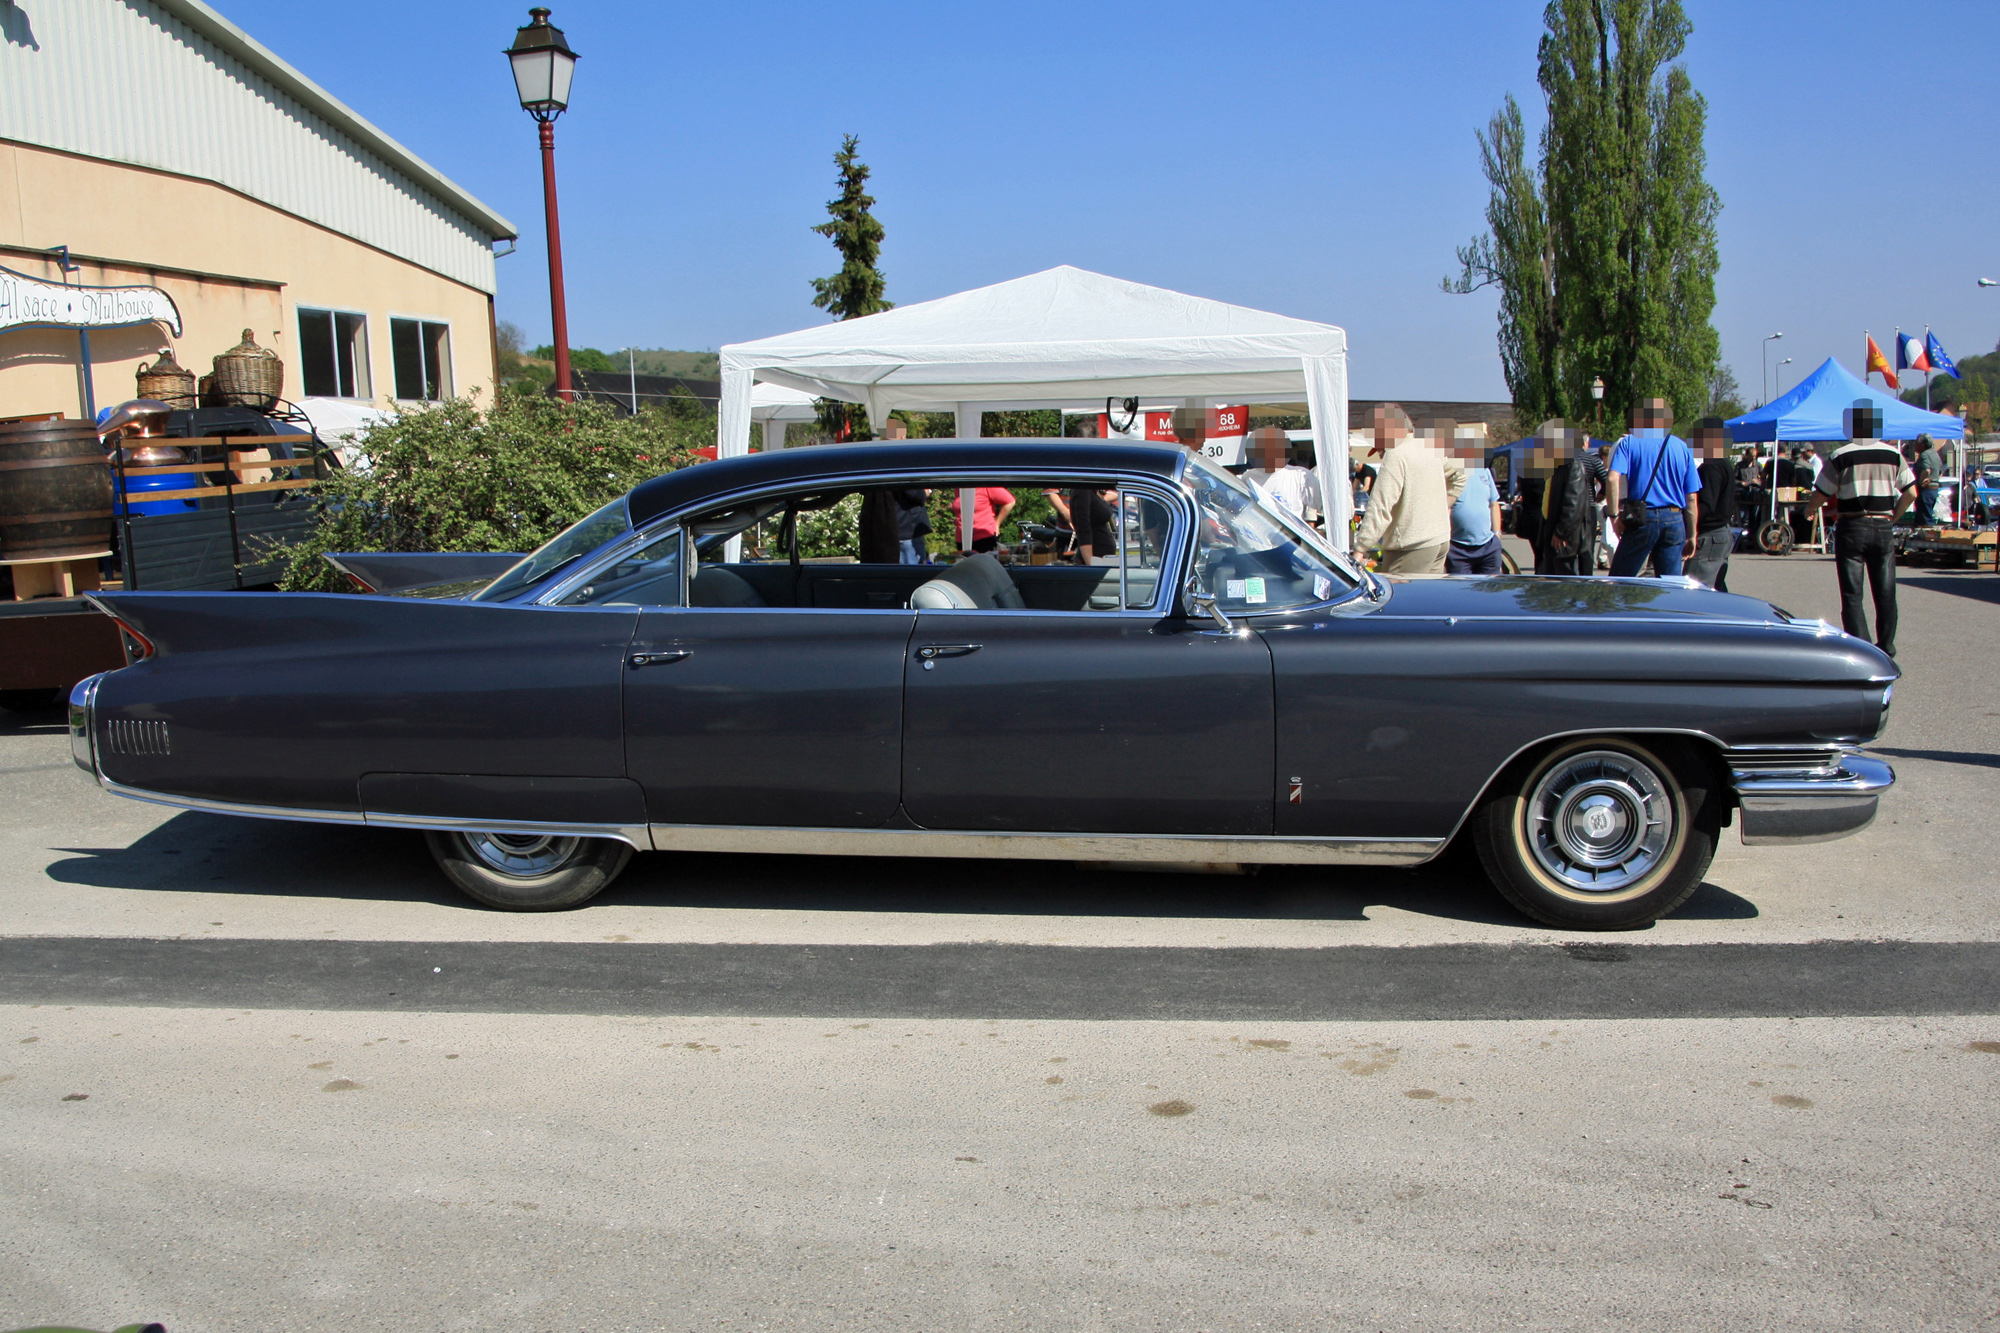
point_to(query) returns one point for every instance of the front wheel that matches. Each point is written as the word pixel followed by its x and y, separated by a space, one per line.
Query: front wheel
pixel 528 872
pixel 1598 834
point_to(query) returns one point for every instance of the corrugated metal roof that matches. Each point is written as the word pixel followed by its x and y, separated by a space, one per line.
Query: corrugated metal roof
pixel 171 84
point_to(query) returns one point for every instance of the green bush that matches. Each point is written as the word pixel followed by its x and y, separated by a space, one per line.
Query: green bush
pixel 454 476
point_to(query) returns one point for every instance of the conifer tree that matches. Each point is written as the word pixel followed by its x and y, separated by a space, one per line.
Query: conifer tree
pixel 1605 252
pixel 856 290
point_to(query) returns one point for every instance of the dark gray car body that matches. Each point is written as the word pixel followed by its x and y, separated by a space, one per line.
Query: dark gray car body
pixel 1361 730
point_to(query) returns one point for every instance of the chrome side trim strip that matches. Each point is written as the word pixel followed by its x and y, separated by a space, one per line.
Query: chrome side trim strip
pixel 232 807
pixel 1172 847
pixel 634 835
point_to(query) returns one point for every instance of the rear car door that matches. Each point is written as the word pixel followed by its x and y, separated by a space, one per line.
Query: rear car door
pixel 751 714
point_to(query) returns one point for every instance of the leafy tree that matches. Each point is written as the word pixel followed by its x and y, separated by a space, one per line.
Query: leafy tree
pixel 856 290
pixel 453 476
pixel 1604 252
pixel 1976 389
pixel 1725 396
pixel 581 358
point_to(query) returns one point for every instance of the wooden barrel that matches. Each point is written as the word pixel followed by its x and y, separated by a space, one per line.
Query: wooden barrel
pixel 55 491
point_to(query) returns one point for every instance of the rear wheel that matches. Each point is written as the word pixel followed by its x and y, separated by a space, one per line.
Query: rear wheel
pixel 1598 834
pixel 1775 538
pixel 528 872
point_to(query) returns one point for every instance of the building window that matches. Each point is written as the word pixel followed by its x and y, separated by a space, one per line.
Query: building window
pixel 333 353
pixel 422 352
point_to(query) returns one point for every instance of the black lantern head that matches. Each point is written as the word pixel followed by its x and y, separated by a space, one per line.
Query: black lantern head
pixel 543 65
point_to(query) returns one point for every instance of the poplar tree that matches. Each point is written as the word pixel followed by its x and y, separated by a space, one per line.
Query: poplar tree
pixel 856 290
pixel 1604 253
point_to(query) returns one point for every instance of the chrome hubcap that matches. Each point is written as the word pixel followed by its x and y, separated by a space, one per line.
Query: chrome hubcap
pixel 522 855
pixel 1600 821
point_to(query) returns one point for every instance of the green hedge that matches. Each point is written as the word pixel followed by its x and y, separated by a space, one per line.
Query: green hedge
pixel 456 476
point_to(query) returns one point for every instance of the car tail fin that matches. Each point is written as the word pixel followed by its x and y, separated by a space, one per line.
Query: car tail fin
pixel 137 646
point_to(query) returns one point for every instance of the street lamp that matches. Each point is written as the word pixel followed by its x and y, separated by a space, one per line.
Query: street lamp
pixel 543 66
pixel 1597 393
pixel 1778 378
pixel 1764 359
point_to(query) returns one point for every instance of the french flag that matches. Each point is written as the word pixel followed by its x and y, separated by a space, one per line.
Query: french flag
pixel 1910 354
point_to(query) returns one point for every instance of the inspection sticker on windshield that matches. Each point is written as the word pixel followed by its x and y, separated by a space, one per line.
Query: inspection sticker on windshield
pixel 1322 587
pixel 1253 591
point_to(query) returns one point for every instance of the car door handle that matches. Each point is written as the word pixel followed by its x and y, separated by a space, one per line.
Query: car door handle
pixel 931 650
pixel 659 656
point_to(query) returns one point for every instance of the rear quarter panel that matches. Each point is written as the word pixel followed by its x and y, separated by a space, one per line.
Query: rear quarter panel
pixel 286 699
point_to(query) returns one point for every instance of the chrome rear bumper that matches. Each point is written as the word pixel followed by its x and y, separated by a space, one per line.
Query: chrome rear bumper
pixel 1810 804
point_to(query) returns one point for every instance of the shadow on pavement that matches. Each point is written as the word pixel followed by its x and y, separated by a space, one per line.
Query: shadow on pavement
pixel 50 721
pixel 1979 587
pixel 1972 758
pixel 196 852
pixel 203 853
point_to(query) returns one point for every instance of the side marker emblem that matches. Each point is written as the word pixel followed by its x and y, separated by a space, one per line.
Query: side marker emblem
pixel 1298 792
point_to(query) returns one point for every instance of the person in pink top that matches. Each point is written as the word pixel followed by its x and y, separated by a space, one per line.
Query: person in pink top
pixel 990 507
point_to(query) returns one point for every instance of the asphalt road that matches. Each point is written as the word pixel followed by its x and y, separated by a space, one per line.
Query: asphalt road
pixel 265 1076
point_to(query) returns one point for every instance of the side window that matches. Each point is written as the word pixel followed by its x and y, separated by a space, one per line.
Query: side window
pixel 648 576
pixel 333 353
pixel 421 351
pixel 1248 557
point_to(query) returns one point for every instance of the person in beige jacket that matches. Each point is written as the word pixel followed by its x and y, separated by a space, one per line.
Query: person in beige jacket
pixel 1417 482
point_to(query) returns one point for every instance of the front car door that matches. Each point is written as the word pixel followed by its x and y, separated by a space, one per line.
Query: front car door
pixel 1119 716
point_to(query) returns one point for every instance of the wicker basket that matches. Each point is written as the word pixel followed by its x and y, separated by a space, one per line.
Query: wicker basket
pixel 249 376
pixel 167 381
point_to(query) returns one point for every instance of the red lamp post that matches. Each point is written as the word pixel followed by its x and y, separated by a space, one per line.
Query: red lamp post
pixel 543 66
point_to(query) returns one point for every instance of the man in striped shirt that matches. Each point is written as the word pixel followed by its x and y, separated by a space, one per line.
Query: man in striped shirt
pixel 1870 486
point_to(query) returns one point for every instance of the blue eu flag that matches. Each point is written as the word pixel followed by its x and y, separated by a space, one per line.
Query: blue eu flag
pixel 1939 361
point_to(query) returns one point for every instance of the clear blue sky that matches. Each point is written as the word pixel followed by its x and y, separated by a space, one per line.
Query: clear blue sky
pixel 1315 159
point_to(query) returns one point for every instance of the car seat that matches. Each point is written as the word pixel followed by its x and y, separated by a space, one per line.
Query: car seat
pixel 715 586
pixel 976 583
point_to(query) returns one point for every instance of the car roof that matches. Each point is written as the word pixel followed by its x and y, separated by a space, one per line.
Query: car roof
pixel 832 463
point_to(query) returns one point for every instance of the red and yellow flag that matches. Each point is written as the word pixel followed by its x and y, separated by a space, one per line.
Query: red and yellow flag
pixel 1877 361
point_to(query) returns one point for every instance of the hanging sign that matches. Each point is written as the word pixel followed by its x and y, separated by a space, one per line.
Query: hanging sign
pixel 27 302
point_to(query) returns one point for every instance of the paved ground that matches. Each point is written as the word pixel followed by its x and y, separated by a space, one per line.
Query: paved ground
pixel 1308 1130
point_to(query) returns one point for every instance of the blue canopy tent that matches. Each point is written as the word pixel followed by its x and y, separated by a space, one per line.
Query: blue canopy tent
pixel 1812 412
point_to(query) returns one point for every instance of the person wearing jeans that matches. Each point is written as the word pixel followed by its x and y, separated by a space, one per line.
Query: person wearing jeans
pixel 1657 469
pixel 1869 484
pixel 1714 538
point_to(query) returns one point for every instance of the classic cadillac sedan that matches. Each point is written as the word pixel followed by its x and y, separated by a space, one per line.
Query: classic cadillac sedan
pixel 1221 688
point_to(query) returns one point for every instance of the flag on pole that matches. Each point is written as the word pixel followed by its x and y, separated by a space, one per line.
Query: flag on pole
pixel 1876 361
pixel 1910 353
pixel 1934 351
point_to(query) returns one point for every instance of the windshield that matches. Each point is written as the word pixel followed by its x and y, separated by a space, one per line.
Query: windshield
pixel 571 544
pixel 1254 556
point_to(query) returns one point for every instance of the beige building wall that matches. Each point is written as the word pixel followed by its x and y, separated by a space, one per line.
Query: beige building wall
pixel 229 262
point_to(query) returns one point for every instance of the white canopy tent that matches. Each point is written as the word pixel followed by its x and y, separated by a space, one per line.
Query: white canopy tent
pixel 777 407
pixel 1062 338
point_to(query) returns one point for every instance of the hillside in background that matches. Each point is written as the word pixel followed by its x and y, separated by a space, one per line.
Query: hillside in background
pixel 1978 388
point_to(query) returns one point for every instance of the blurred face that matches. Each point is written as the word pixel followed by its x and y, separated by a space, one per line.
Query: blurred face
pixel 1652 414
pixel 1391 427
pixel 1269 454
pixel 1711 443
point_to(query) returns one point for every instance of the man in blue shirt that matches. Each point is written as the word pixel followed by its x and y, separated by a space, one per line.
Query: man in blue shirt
pixel 1475 516
pixel 1653 472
